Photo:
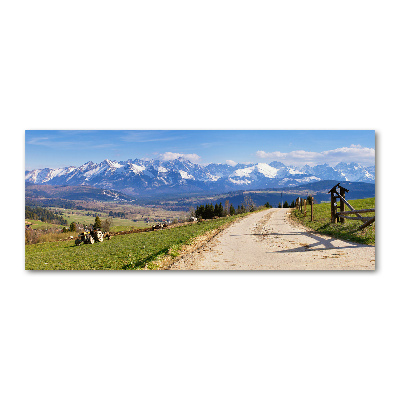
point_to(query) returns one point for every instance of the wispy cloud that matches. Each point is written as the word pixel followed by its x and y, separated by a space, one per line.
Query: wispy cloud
pixel 60 144
pixel 105 146
pixel 354 153
pixel 208 145
pixel 38 141
pixel 47 142
pixel 65 143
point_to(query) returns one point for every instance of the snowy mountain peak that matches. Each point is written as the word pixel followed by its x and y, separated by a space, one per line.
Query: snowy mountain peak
pixel 277 164
pixel 183 175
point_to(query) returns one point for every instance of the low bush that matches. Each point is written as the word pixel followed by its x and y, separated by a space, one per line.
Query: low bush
pixel 35 236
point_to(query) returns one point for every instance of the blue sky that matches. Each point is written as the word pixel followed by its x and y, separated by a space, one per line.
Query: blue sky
pixel 55 149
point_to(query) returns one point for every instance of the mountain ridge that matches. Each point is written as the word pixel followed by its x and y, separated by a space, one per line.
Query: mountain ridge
pixel 180 175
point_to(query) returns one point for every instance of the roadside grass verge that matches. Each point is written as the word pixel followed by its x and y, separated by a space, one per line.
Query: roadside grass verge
pixel 348 230
pixel 132 251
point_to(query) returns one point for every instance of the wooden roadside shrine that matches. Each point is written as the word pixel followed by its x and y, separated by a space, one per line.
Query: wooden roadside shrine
pixel 339 193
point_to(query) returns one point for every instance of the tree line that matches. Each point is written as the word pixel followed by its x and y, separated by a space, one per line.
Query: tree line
pixel 293 203
pixel 209 211
pixel 39 213
pixel 60 203
pixel 117 214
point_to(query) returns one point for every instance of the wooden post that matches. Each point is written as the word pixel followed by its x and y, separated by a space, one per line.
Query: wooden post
pixel 305 207
pixel 333 216
pixel 337 216
pixel 312 209
pixel 343 194
pixel 301 205
pixel 369 222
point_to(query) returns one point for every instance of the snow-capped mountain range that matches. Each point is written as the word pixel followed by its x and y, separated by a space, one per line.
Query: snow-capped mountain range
pixel 180 175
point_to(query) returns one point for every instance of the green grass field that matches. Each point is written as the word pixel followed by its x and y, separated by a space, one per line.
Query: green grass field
pixel 79 217
pixel 118 224
pixel 348 230
pixel 132 225
pixel 133 251
pixel 37 224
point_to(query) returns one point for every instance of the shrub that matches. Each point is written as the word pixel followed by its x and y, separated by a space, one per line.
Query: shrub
pixel 106 225
pixel 97 223
pixel 33 236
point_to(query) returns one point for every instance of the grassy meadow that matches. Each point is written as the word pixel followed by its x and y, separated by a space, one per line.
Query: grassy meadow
pixel 132 251
pixel 136 216
pixel 37 224
pixel 348 230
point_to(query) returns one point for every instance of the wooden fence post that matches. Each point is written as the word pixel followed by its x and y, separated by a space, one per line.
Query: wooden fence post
pixel 305 207
pixel 301 205
pixel 333 213
pixel 342 193
pixel 342 215
pixel 312 208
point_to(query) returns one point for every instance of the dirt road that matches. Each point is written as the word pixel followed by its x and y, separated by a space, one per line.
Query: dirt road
pixel 269 240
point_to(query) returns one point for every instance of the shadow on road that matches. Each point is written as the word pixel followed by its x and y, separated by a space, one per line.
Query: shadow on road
pixel 320 243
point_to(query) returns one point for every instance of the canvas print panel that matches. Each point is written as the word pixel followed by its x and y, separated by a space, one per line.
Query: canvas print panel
pixel 200 200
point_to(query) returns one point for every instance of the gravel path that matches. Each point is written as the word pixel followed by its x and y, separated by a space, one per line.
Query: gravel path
pixel 269 240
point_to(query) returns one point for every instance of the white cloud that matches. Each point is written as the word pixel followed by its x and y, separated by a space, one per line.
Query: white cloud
pixel 355 153
pixel 173 156
pixel 231 163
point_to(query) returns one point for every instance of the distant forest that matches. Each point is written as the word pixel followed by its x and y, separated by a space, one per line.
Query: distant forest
pixel 61 203
pixel 39 213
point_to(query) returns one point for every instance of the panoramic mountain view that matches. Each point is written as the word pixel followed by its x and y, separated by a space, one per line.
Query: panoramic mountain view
pixel 155 176
pixel 200 199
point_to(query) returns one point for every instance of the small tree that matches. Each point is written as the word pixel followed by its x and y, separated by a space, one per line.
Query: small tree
pixel 106 225
pixel 216 210
pixel 292 205
pixel 267 205
pixel 72 227
pixel 249 204
pixel 221 210
pixel 200 211
pixel 97 223
pixel 208 211
pixel 285 204
pixel 226 207
pixel 232 210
